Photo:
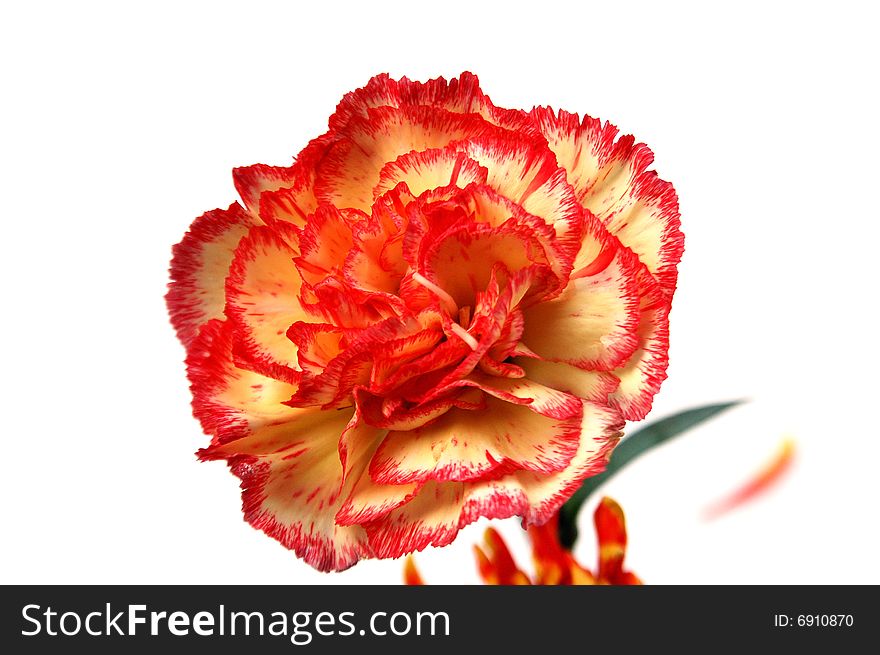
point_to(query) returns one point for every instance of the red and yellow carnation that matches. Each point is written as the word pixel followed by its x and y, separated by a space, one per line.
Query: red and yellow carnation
pixel 441 310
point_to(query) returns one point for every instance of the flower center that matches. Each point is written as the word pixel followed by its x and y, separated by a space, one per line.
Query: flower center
pixel 463 314
pixel 447 300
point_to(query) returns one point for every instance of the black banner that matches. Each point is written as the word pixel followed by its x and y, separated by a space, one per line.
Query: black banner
pixel 434 619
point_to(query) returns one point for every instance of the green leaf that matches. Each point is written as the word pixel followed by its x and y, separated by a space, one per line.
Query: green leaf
pixel 629 448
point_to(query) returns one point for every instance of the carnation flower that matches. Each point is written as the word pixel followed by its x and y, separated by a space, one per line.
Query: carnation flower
pixel 441 310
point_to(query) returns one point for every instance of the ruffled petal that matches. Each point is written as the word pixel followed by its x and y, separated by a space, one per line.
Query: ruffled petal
pixel 461 95
pixel 493 208
pixel 646 220
pixel 461 260
pixel 589 385
pixel 430 169
pixel 369 500
pixel 324 244
pixel 353 165
pixel 440 509
pixel 431 518
pixel 352 367
pixel 287 459
pixel 228 401
pixel 536 497
pixel 593 323
pixel 263 296
pixel 609 174
pixel 294 482
pixel 395 413
pixel 252 182
pixel 286 195
pixel 293 501
pixel 375 262
pixel 465 445
pixel 645 370
pixel 199 268
pixel 525 171
pixel 583 148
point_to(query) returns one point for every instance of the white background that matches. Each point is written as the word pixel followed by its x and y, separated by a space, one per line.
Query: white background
pixel 121 124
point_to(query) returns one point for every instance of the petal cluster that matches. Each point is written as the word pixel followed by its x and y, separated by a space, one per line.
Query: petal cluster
pixel 553 564
pixel 441 310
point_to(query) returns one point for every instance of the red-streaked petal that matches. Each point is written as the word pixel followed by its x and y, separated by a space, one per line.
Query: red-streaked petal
pixel 460 95
pixel 228 401
pixel 431 518
pixel 461 260
pixel 380 91
pixel 600 166
pixel 393 413
pixel 288 500
pixel 491 207
pixel 440 509
pixel 610 176
pixel 291 197
pixel 469 444
pixel 375 262
pixel 601 429
pixel 288 205
pixel 363 499
pixel 392 356
pixel 589 385
pixel 302 429
pixel 324 243
pixel 526 172
pixel 644 371
pixel 536 497
pixel 263 296
pixel 647 221
pixel 348 307
pixel 352 367
pixel 545 400
pixel 252 181
pixel 199 267
pixel 291 501
pixel 430 169
pixel 352 166
pixel 293 483
pixel 510 335
pixel 583 148
pixel 491 309
pixel 593 324
pixel 500 369
pixel 513 388
pixel 432 365
pixel 317 344
pixel 370 501
pixel 616 177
